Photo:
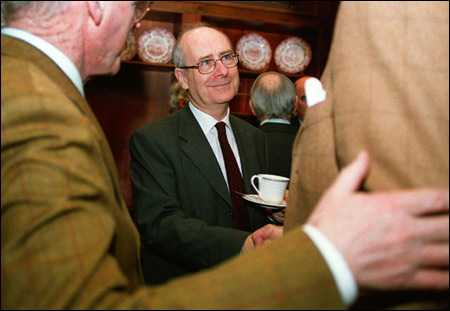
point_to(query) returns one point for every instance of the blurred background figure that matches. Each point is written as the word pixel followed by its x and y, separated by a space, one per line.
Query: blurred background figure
pixel 300 90
pixel 273 102
pixel 178 97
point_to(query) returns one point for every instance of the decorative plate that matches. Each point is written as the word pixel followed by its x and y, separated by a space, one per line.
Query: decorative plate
pixel 130 47
pixel 155 45
pixel 293 55
pixel 254 51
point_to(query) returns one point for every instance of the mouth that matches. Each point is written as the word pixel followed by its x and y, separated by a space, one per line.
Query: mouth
pixel 221 84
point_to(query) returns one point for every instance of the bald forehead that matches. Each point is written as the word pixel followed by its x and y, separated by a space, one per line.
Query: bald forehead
pixel 300 83
pixel 203 38
pixel 201 33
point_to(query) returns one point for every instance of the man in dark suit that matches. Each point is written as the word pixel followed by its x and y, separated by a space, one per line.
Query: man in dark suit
pixel 273 101
pixel 184 208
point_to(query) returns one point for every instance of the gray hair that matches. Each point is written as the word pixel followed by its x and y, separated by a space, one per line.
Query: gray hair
pixel 37 10
pixel 177 53
pixel 276 100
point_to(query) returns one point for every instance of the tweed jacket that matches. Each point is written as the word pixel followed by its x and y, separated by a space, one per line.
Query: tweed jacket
pixel 67 241
pixel 280 138
pixel 183 206
pixel 387 81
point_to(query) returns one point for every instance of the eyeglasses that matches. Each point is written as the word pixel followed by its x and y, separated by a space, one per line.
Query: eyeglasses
pixel 140 10
pixel 229 60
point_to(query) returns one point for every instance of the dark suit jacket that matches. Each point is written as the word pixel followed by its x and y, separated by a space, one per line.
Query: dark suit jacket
pixel 280 138
pixel 183 206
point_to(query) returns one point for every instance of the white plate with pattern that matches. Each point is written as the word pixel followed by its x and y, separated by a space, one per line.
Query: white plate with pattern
pixel 254 51
pixel 293 55
pixel 155 45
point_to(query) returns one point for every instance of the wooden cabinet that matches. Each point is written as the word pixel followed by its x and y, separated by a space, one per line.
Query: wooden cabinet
pixel 139 93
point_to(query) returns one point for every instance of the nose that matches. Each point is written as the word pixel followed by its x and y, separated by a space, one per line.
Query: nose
pixel 221 70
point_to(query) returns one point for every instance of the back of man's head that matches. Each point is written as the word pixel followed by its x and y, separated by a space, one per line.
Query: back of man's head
pixel 273 96
pixel 35 10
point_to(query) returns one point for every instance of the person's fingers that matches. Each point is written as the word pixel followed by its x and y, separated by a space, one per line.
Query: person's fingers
pixel 433 228
pixel 424 201
pixel 248 245
pixel 276 232
pixel 435 255
pixel 286 195
pixel 427 279
pixel 267 232
pixel 351 176
pixel 279 217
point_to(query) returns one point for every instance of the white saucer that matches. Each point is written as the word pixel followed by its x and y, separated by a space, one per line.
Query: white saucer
pixel 254 198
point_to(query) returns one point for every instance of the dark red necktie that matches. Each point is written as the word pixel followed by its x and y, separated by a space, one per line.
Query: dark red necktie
pixel 235 182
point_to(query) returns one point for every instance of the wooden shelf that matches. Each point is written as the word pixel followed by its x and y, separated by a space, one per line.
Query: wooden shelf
pixel 241 10
pixel 151 66
pixel 140 91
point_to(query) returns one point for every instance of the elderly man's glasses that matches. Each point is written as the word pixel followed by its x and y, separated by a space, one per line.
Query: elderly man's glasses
pixel 140 10
pixel 229 60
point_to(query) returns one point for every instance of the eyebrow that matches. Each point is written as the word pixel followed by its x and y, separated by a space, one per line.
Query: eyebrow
pixel 210 56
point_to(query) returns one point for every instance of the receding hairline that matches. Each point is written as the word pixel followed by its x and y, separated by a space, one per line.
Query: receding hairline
pixel 270 80
pixel 190 32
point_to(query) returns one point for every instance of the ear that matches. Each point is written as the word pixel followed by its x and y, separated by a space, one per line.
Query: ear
pixel 95 11
pixel 179 73
pixel 251 107
pixel 295 105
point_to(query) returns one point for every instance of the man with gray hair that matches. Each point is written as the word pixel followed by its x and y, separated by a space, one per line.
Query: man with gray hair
pixel 273 102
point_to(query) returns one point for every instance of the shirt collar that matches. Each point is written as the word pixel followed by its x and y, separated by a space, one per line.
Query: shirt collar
pixel 283 121
pixel 58 57
pixel 206 121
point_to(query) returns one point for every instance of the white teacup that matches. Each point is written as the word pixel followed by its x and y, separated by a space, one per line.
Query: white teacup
pixel 271 188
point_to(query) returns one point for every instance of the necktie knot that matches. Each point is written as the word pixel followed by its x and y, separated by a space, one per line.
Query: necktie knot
pixel 220 126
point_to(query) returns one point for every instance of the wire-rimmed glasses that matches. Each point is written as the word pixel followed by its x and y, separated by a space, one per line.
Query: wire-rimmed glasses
pixel 205 66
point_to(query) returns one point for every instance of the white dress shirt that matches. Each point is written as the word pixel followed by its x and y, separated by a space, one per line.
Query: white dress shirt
pixel 208 125
pixel 279 121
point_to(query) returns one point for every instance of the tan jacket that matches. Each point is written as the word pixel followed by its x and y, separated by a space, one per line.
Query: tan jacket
pixel 67 240
pixel 387 83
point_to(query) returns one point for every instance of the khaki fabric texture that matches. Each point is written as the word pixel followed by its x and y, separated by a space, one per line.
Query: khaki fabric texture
pixel 387 83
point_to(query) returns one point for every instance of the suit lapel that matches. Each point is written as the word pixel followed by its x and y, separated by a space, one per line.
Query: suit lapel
pixel 198 150
pixel 247 151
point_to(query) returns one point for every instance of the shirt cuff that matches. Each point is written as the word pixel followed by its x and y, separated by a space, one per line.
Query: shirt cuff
pixel 343 276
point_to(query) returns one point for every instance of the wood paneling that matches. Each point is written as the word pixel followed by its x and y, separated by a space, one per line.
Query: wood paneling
pixel 139 93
